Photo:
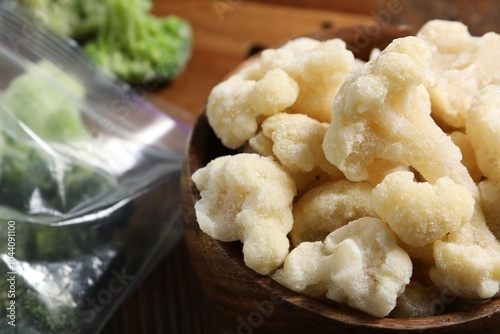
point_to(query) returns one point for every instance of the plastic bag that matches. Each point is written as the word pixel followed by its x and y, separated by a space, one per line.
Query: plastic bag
pixel 89 187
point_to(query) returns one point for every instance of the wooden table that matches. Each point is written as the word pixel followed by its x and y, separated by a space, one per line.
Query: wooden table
pixel 171 300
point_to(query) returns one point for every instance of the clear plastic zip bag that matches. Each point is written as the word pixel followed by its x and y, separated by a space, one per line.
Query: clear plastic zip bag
pixel 89 184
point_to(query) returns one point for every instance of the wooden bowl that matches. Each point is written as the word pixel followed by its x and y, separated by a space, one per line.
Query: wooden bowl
pixel 252 303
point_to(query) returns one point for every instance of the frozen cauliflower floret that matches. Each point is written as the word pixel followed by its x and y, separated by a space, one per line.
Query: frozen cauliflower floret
pixel 319 73
pixel 490 199
pixel 370 270
pixel 359 264
pixel 304 180
pixel 467 262
pixel 306 269
pixel 302 44
pixel 418 301
pixel 468 155
pixel 281 57
pixel 462 65
pixel 296 142
pixel 319 68
pixel 420 213
pixel 483 130
pixel 382 112
pixel 328 207
pixel 249 198
pixel 235 106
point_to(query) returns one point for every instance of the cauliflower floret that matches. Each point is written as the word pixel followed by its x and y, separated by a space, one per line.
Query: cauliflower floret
pixel 382 112
pixel 296 142
pixel 467 262
pixel 328 207
pixel 320 72
pixel 304 181
pixel 359 264
pixel 468 155
pixel 462 65
pixel 319 68
pixel 490 198
pixel 235 106
pixel 483 130
pixel 306 269
pixel 249 198
pixel 420 213
pixel 370 269
pixel 303 44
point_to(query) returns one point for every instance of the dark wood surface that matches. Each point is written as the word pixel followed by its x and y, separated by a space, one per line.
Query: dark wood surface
pixel 171 299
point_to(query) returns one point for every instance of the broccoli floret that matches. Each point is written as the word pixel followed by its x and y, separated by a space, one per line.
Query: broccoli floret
pixel 50 113
pixel 139 47
pixel 35 176
pixel 35 182
pixel 78 19
pixel 47 294
pixel 33 313
pixel 37 241
pixel 26 179
pixel 122 36
pixel 91 14
pixel 57 15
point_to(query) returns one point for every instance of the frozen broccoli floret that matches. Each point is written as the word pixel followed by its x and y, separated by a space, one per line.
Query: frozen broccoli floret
pixel 32 312
pixel 43 242
pixel 58 15
pixel 55 15
pixel 139 47
pixel 49 112
pixel 35 182
pixel 36 176
pixel 79 19
pixel 25 176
